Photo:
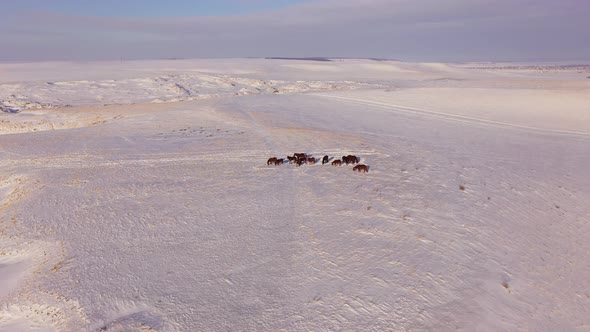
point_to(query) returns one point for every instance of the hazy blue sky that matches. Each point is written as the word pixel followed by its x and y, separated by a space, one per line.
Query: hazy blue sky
pixel 415 30
pixel 144 8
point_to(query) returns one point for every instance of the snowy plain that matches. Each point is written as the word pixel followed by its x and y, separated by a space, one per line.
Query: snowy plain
pixel 135 196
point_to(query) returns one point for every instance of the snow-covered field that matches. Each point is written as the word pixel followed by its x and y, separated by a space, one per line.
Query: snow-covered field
pixel 135 196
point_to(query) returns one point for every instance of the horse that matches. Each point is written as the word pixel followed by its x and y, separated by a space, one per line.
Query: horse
pixel 279 161
pixel 325 159
pixel 337 162
pixel 300 155
pixel 271 160
pixel 350 159
pixel 291 159
pixel 353 159
pixel 361 167
pixel 299 162
pixel 311 160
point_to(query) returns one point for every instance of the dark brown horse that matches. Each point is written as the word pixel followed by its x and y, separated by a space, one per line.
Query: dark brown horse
pixel 300 155
pixel 337 162
pixel 291 159
pixel 361 168
pixel 279 161
pixel 350 159
pixel 311 160
pixel 299 162
pixel 271 160
pixel 325 159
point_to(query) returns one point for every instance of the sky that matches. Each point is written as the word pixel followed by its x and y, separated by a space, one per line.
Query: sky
pixel 144 8
pixel 410 30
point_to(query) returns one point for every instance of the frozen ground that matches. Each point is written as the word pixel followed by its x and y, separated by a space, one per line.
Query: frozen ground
pixel 151 216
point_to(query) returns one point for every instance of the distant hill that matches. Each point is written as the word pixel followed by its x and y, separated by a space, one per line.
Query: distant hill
pixel 329 59
pixel 306 59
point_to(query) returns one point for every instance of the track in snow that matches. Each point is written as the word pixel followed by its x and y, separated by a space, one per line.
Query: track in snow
pixel 453 117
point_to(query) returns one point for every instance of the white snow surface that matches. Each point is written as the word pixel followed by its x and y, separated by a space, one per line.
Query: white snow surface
pixel 135 196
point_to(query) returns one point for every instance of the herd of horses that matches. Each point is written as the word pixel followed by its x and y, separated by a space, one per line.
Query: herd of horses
pixel 303 158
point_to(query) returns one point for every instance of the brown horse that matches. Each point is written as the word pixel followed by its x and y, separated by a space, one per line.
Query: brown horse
pixel 299 162
pixel 325 159
pixel 337 162
pixel 300 155
pixel 279 161
pixel 291 159
pixel 361 167
pixel 350 159
pixel 311 160
pixel 271 160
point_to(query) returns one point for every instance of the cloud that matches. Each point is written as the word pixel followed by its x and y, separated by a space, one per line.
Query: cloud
pixel 426 30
